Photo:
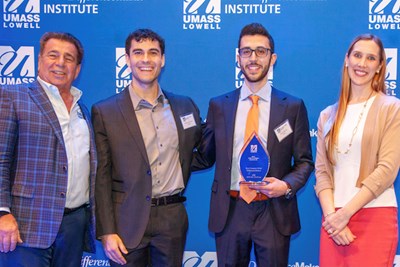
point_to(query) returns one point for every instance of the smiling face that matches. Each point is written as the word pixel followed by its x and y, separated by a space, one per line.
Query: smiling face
pixel 363 63
pixel 254 68
pixel 58 64
pixel 145 61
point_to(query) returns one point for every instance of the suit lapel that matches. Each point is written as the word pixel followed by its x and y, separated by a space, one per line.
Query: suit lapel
pixel 39 96
pixel 230 104
pixel 276 117
pixel 125 104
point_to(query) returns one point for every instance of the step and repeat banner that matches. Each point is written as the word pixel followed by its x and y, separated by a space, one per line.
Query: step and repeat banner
pixel 311 39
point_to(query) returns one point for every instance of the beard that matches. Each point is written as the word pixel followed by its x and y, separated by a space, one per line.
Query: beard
pixel 255 79
pixel 258 78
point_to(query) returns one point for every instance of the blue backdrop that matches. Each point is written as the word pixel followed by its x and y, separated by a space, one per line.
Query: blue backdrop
pixel 311 38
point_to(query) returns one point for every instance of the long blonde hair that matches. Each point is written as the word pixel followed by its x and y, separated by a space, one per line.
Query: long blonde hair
pixel 378 85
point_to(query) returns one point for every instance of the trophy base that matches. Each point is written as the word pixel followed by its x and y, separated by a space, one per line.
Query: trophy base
pixel 253 183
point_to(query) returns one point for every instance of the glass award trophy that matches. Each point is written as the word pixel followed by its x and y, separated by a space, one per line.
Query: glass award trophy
pixel 254 161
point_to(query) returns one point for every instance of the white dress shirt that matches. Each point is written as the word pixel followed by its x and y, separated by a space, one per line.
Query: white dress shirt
pixel 76 136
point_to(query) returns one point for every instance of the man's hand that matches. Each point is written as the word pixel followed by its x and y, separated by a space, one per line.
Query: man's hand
pixel 113 246
pixel 9 233
pixel 273 188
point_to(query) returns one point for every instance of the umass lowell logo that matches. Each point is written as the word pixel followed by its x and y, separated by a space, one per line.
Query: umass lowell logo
pixel 391 71
pixel 201 14
pixel 379 6
pixel 21 6
pixel 17 66
pixel 122 71
pixel 202 6
pixel 384 15
pixel 21 14
pixel 193 259
pixel 206 14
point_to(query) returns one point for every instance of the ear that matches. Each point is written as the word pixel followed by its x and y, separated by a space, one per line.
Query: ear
pixel 274 57
pixel 379 69
pixel 346 60
pixel 127 60
pixel 162 60
pixel 39 61
pixel 78 70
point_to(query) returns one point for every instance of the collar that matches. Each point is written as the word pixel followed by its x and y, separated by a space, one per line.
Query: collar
pixel 264 93
pixel 139 103
pixel 53 90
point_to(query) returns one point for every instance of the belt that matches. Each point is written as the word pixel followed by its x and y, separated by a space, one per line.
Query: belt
pixel 259 197
pixel 68 210
pixel 167 200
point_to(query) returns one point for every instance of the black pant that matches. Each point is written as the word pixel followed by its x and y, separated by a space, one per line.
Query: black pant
pixel 251 225
pixel 164 240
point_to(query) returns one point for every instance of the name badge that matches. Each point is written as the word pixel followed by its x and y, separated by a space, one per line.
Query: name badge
pixel 188 121
pixel 283 130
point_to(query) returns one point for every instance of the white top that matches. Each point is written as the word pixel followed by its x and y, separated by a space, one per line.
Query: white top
pixel 347 167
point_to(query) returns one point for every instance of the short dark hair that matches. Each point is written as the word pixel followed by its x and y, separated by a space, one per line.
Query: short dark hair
pixel 144 34
pixel 63 36
pixel 257 29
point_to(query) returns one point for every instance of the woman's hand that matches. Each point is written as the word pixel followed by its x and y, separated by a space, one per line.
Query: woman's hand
pixel 335 222
pixel 344 237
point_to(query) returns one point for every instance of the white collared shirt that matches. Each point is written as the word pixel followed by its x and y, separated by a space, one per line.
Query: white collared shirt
pixel 244 105
pixel 76 136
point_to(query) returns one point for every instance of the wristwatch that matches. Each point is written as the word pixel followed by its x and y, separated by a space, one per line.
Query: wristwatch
pixel 3 212
pixel 289 192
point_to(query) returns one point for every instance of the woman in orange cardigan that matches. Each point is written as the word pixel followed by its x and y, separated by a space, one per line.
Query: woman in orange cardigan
pixel 358 158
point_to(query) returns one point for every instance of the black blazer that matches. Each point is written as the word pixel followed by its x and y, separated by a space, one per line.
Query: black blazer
pixel 124 183
pixel 291 159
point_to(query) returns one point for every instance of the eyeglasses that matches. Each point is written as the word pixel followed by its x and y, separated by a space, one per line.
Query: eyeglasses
pixel 260 51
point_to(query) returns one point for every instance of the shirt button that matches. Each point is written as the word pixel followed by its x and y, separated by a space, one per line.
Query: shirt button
pixel 148 172
pixel 65 168
pixel 148 198
pixel 62 194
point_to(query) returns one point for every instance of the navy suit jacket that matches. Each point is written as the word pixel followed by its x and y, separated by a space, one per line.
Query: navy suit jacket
pixel 34 165
pixel 124 182
pixel 291 159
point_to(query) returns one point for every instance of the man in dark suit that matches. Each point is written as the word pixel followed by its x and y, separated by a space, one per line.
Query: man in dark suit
pixel 145 138
pixel 47 163
pixel 269 216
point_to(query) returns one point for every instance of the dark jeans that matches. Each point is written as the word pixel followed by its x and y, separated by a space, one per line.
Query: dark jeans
pixel 66 251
